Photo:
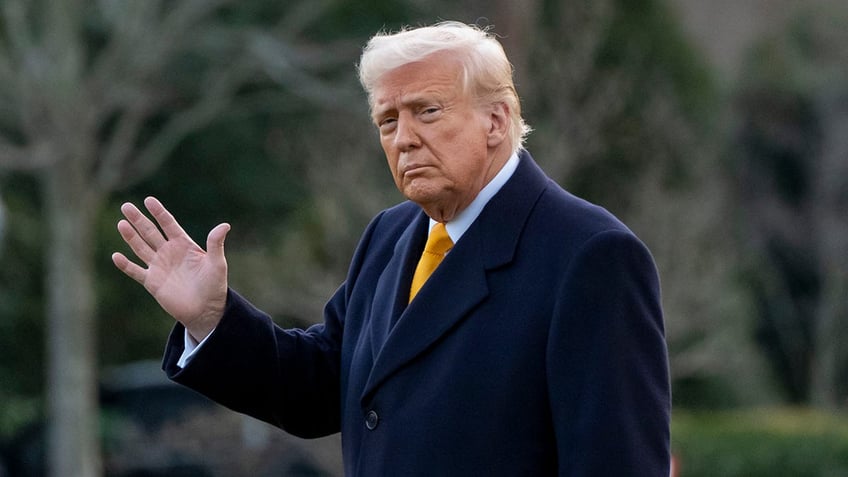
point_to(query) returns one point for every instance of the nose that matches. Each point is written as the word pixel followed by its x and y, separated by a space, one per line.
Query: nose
pixel 406 137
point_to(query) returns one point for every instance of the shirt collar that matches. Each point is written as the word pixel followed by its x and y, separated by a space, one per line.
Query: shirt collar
pixel 465 218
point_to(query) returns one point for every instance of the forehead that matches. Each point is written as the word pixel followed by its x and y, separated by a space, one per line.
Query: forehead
pixel 437 75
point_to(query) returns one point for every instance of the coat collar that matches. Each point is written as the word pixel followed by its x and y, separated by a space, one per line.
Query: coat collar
pixel 399 333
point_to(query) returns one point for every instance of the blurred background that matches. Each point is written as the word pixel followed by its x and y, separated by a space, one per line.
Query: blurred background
pixel 717 130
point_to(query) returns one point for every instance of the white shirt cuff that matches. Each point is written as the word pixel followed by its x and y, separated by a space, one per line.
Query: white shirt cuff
pixel 190 349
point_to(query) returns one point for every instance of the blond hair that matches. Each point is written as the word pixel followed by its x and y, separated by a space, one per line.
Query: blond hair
pixel 487 73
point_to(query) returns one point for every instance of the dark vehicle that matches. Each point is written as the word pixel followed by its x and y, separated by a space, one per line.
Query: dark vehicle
pixel 152 427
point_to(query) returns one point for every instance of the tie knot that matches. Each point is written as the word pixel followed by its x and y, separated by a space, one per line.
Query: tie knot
pixel 438 242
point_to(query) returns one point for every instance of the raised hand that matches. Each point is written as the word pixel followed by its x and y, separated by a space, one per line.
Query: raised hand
pixel 189 283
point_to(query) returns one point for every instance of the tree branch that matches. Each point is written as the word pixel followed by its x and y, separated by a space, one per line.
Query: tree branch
pixel 216 100
pixel 119 148
pixel 280 62
pixel 30 158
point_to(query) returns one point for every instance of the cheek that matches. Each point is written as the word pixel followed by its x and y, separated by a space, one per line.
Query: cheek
pixel 391 156
pixel 473 163
pixel 469 175
pixel 392 161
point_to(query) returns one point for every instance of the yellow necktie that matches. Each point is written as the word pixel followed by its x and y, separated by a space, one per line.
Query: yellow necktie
pixel 438 244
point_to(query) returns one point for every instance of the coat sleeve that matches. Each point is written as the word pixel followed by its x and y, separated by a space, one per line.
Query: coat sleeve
pixel 608 364
pixel 289 378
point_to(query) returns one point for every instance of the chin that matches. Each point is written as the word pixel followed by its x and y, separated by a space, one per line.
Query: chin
pixel 418 192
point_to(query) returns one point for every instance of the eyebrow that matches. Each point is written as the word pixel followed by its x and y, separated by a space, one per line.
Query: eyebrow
pixel 408 100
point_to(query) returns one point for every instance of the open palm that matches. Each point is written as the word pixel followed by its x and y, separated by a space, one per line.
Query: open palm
pixel 189 283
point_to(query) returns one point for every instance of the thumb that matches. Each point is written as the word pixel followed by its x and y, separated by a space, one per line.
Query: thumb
pixel 215 241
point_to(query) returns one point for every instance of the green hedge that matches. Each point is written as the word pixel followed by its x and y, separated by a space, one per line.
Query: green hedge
pixel 761 443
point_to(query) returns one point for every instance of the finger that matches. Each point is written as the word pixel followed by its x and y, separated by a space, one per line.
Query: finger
pixel 215 242
pixel 164 218
pixel 129 268
pixel 139 246
pixel 146 229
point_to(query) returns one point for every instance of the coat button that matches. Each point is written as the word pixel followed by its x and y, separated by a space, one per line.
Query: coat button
pixel 371 420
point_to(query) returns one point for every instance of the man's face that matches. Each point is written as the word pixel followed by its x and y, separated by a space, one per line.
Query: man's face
pixel 436 140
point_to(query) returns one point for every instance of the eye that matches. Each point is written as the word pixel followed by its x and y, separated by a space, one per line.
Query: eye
pixel 429 112
pixel 387 124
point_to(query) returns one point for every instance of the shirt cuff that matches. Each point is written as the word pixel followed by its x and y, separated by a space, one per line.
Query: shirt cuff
pixel 190 348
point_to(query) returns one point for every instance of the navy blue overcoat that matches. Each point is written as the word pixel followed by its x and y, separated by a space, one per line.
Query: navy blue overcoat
pixel 535 349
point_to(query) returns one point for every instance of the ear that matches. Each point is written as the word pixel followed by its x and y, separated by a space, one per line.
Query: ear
pixel 498 125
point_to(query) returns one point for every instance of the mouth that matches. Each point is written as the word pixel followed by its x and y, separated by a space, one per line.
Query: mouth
pixel 414 169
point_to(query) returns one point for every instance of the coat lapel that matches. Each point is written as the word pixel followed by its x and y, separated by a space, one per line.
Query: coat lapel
pixel 392 291
pixel 457 285
pixel 435 310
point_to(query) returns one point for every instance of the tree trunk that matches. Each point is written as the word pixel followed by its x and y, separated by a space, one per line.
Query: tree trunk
pixel 73 445
pixel 827 389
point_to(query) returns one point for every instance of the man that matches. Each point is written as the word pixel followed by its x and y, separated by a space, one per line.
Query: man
pixel 536 346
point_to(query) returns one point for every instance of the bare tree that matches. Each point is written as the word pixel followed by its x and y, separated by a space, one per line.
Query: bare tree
pixel 792 179
pixel 831 247
pixel 829 203
pixel 92 99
